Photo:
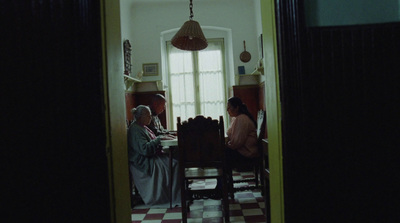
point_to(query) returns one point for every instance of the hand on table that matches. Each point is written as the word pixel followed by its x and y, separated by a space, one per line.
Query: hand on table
pixel 167 137
pixel 173 133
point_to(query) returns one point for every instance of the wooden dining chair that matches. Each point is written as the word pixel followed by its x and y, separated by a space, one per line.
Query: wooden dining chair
pixel 255 164
pixel 201 154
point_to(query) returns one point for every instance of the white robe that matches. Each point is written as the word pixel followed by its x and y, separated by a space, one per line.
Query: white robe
pixel 154 188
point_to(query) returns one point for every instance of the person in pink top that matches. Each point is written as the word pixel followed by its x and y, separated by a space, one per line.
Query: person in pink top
pixel 241 145
pixel 242 133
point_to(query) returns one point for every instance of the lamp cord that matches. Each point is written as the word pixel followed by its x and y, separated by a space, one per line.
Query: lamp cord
pixel 191 10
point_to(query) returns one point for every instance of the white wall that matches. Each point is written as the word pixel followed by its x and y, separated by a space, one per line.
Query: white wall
pixel 143 22
pixel 258 22
pixel 125 6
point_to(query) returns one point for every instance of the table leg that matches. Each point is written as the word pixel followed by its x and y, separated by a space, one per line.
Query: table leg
pixel 170 178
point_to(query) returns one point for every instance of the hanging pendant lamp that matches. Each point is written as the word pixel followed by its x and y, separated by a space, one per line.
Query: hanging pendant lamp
pixel 190 37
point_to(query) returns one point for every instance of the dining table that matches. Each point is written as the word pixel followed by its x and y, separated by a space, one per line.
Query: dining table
pixel 169 142
pixel 168 145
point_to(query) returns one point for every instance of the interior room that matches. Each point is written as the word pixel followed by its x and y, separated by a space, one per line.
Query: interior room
pixel 159 27
pixel 240 29
pixel 324 72
pixel 241 20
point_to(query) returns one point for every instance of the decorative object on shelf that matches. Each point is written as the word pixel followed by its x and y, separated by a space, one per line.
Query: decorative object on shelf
pixel 150 69
pixel 259 68
pixel 159 85
pixel 245 56
pixel 139 75
pixel 190 37
pixel 127 57
pixel 241 70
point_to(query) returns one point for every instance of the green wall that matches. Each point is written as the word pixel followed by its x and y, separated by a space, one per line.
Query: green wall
pixel 351 12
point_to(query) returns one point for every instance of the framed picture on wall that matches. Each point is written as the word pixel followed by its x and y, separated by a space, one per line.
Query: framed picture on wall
pixel 150 69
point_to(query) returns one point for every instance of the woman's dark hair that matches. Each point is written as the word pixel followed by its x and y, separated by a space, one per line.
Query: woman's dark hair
pixel 237 102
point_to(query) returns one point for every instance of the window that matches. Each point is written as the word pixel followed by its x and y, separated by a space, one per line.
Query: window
pixel 196 82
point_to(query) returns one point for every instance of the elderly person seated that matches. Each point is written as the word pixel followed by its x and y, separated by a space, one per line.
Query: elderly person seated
pixel 157 106
pixel 148 165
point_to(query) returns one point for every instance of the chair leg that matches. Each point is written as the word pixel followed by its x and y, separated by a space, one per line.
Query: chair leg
pixel 262 179
pixel 183 200
pixel 256 171
pixel 231 185
pixel 262 183
pixel 225 203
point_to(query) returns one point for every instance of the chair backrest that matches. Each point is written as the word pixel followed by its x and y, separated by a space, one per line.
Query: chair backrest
pixel 201 142
pixel 261 130
pixel 261 122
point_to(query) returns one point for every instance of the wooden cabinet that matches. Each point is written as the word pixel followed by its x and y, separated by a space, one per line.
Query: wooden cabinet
pixel 133 99
pixel 250 96
pixel 130 103
pixel 254 98
pixel 261 96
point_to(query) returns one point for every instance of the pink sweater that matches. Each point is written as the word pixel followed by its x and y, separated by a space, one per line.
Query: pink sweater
pixel 242 136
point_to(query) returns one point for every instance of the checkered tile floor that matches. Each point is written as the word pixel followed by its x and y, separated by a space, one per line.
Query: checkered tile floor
pixel 248 206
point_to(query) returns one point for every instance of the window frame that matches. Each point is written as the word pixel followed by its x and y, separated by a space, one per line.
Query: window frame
pixel 195 62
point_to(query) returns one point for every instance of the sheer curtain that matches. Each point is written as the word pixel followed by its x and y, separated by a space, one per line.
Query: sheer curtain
pixel 196 81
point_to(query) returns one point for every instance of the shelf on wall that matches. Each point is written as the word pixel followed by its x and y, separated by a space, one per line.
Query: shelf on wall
pixel 259 70
pixel 130 82
pixel 149 86
pixel 245 79
pixel 252 78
